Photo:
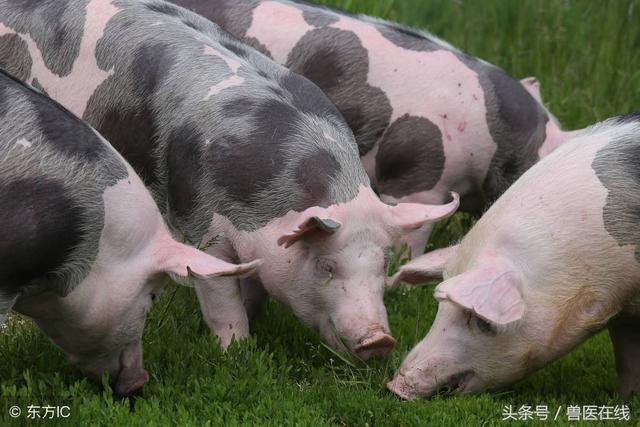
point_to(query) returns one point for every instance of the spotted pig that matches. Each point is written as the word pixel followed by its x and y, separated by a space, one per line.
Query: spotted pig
pixel 80 237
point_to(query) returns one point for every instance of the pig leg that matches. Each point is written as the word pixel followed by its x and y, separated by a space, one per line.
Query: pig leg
pixel 417 240
pixel 253 295
pixel 221 303
pixel 625 336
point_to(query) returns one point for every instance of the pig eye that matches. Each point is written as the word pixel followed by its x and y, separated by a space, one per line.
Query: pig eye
pixel 484 326
pixel 325 267
pixel 480 324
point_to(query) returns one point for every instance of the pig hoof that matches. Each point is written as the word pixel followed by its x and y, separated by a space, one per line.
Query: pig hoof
pixel 378 346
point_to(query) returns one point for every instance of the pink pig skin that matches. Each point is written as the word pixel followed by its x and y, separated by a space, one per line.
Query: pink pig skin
pixel 552 262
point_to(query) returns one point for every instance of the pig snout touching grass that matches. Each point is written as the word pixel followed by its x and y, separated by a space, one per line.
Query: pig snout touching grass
pixel 427 117
pixel 553 261
pixel 83 244
pixel 243 157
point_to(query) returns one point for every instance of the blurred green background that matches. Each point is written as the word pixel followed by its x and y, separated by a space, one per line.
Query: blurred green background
pixel 586 55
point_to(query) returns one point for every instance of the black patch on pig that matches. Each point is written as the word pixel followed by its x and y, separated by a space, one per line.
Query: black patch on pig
pixel 407 38
pixel 319 17
pixel 239 49
pixel 184 169
pixel 132 134
pixel 516 123
pixel 4 99
pixel 60 43
pixel 151 65
pixel 617 166
pixel 14 56
pixel 174 12
pixel 410 157
pixel 62 130
pixel 315 174
pixel 232 15
pixel 163 8
pixel 133 131
pixel 239 107
pixel 41 226
pixel 68 135
pixel 340 69
pixel 247 166
pixel 308 98
pixel 628 118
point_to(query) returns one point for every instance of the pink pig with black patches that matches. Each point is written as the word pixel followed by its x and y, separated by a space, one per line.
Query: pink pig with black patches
pixel 84 248
pixel 428 118
pixel 555 260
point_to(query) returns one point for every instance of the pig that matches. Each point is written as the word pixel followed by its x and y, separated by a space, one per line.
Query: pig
pixel 553 261
pixel 84 247
pixel 244 157
pixel 428 118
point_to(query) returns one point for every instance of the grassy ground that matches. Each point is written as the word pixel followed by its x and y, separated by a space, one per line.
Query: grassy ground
pixel 587 56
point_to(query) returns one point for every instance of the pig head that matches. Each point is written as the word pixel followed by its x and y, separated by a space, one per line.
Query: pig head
pixel 99 323
pixel 522 289
pixel 340 254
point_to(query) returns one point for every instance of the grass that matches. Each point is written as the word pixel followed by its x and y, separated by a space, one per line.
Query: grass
pixel 586 55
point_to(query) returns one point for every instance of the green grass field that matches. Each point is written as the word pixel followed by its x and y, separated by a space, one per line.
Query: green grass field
pixel 586 55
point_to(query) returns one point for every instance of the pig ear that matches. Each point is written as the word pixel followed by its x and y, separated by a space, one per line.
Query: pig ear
pixel 411 216
pixel 532 85
pixel 423 269
pixel 492 296
pixel 311 227
pixel 183 261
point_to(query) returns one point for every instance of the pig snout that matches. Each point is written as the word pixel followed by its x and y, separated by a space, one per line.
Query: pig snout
pixel 376 344
pixel 132 376
pixel 420 383
pixel 130 383
pixel 402 388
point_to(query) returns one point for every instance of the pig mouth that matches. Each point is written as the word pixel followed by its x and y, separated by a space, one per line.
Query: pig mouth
pixel 456 383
